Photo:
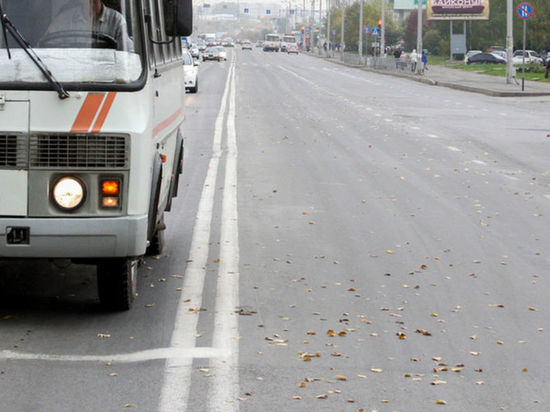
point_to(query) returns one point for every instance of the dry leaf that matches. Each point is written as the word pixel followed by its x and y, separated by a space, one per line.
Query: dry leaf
pixel 341 378
pixel 441 402
pixel 330 333
pixel 376 370
pixel 323 396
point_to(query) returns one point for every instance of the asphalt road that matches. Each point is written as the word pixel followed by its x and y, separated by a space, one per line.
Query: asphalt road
pixel 342 241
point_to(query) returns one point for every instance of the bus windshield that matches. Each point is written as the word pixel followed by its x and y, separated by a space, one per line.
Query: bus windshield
pixel 78 40
pixel 272 37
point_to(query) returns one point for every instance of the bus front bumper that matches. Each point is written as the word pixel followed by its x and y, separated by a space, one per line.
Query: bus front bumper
pixel 73 238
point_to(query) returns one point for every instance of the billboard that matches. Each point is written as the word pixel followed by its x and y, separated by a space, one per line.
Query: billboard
pixel 458 9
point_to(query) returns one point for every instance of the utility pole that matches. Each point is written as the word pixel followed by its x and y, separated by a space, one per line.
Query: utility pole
pixel 383 30
pixel 312 22
pixel 328 28
pixel 509 40
pixel 342 32
pixel 361 31
pixel 419 38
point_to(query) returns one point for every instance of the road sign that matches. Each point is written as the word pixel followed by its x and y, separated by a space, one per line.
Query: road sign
pixel 268 12
pixel 366 30
pixel 375 31
pixel 246 10
pixel 334 32
pixel 525 11
pixel 291 11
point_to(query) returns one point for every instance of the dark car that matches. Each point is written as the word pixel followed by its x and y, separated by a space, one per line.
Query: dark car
pixel 486 58
pixel 211 53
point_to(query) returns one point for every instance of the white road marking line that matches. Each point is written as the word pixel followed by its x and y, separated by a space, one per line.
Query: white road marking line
pixel 479 162
pixel 453 149
pixel 510 177
pixel 224 386
pixel 415 127
pixel 388 120
pixel 177 374
pixel 433 136
pixel 132 357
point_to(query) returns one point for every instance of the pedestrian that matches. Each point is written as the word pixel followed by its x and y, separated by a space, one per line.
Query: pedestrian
pixel 547 67
pixel 414 60
pixel 325 47
pixel 424 61
pixel 403 60
pixel 514 74
pixel 396 55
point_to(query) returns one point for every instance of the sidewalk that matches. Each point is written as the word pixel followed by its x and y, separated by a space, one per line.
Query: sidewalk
pixel 463 80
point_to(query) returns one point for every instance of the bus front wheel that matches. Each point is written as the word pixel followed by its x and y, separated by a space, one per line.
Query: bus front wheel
pixel 117 282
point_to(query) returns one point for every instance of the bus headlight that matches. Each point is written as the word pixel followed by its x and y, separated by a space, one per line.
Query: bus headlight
pixel 68 193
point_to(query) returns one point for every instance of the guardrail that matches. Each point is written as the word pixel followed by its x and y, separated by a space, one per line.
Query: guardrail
pixel 379 63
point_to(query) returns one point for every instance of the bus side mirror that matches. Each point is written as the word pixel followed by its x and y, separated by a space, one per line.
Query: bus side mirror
pixel 178 16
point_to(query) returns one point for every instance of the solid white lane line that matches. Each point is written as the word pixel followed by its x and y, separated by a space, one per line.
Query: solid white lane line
pixel 224 385
pixel 177 375
pixel 132 357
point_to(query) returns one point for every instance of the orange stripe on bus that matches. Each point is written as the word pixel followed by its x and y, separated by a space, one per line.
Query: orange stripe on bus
pixel 104 112
pixel 87 112
pixel 166 122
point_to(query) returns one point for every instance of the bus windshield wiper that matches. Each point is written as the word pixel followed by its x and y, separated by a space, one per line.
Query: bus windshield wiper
pixel 8 27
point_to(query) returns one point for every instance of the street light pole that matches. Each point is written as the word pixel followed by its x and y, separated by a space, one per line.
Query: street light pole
pixel 419 38
pixel 342 32
pixel 361 31
pixel 509 40
pixel 383 30
pixel 328 27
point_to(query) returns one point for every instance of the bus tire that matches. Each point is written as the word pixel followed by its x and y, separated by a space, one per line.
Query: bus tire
pixel 117 283
pixel 155 198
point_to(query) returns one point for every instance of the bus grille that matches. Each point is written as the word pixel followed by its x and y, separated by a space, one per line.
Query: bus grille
pixel 13 151
pixel 78 151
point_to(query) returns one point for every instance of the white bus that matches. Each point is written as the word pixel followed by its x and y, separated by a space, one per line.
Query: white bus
pixel 272 42
pixel 289 40
pixel 91 139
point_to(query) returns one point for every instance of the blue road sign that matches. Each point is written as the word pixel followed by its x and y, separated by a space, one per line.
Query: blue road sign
pixel 268 12
pixel 291 11
pixel 375 31
pixel 334 32
pixel 525 11
pixel 246 10
pixel 366 30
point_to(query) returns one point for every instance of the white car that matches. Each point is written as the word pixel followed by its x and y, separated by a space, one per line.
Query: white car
pixel 223 53
pixel 190 73
pixel 531 56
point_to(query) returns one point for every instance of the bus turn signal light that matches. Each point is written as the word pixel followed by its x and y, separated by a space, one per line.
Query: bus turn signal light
pixel 110 187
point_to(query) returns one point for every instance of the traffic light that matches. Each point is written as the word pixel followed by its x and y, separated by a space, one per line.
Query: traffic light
pixel 379 24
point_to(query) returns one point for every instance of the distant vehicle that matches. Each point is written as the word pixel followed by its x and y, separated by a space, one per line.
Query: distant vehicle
pixel 195 52
pixel 471 53
pixel 485 58
pixel 272 42
pixel 246 45
pixel 495 48
pixel 190 73
pixel 211 53
pixel 292 49
pixel 222 52
pixel 531 56
pixel 259 43
pixel 201 44
pixel 287 41
pixel 499 53
pixel 228 43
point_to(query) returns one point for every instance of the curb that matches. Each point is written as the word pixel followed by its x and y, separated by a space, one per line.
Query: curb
pixel 431 82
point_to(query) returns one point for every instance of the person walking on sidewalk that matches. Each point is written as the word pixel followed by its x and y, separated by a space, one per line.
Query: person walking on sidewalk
pixel 547 67
pixel 424 61
pixel 414 60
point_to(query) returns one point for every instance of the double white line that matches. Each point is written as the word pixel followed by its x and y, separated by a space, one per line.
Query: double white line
pixel 224 355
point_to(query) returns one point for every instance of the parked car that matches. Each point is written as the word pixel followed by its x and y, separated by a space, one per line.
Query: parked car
pixel 499 53
pixel 211 53
pixel 246 45
pixel 531 56
pixel 190 73
pixel 471 53
pixel 485 58
pixel 222 52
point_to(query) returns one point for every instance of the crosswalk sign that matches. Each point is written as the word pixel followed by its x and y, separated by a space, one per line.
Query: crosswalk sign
pixel 375 31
